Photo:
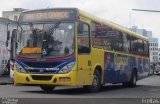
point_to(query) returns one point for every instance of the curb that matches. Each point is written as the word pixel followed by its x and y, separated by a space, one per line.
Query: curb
pixel 5 80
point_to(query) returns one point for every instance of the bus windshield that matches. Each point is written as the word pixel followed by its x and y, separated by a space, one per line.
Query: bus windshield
pixel 45 40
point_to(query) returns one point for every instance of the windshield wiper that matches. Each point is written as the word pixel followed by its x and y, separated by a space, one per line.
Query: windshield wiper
pixel 53 28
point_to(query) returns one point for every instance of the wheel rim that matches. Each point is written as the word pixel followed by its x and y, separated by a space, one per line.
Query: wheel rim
pixel 134 80
pixel 95 81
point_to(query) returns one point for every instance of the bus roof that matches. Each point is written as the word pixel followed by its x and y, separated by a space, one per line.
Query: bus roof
pixel 111 24
pixel 49 9
pixel 97 19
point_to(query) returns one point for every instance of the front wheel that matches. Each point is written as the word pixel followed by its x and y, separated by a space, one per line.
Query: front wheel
pixel 96 83
pixel 47 88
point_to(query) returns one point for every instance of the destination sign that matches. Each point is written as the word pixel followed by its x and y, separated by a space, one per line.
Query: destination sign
pixel 47 15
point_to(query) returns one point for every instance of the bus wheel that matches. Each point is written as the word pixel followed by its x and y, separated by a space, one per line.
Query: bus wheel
pixel 96 83
pixel 47 88
pixel 133 81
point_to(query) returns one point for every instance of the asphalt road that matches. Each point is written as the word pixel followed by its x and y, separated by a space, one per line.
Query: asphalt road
pixel 146 92
pixel 148 87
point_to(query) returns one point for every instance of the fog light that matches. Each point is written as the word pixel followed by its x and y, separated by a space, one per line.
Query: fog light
pixel 55 80
pixel 27 79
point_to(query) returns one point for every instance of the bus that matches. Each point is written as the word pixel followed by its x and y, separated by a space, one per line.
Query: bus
pixel 6 26
pixel 70 47
pixel 4 57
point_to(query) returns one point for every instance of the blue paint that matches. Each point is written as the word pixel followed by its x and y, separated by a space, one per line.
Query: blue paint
pixel 117 71
pixel 36 66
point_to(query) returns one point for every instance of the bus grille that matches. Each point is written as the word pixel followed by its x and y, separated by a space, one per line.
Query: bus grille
pixel 45 71
pixel 42 64
pixel 45 78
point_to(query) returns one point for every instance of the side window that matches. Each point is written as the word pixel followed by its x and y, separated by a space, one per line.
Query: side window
pixel 83 38
pixel 146 49
pixel 140 46
pixel 108 38
pixel 134 45
pixel 126 42
pixel 118 41
pixel 102 36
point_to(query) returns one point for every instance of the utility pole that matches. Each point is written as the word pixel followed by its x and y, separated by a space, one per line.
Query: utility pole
pixel 144 10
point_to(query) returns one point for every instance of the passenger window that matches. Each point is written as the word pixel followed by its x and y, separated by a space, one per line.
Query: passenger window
pixel 83 38
pixel 140 47
pixel 118 41
pixel 102 36
pixel 146 48
pixel 126 42
pixel 134 45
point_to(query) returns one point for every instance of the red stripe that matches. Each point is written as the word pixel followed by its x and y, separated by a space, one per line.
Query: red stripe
pixel 48 59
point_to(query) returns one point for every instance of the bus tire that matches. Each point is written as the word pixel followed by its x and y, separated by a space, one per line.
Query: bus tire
pixel 133 81
pixel 47 88
pixel 96 83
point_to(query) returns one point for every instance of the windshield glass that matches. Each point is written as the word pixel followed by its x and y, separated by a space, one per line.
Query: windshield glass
pixel 45 40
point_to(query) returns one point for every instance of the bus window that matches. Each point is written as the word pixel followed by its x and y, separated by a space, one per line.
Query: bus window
pixel 96 35
pixel 83 38
pixel 133 45
pixel 102 36
pixel 107 38
pixel 126 42
pixel 140 47
pixel 146 48
pixel 118 41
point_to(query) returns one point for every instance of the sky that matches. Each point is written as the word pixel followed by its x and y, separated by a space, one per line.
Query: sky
pixel 118 11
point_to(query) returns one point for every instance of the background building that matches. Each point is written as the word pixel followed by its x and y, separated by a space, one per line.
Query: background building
pixel 143 32
pixel 12 15
pixel 159 55
pixel 154 50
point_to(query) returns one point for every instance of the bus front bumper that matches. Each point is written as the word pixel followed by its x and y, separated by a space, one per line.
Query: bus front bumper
pixel 67 79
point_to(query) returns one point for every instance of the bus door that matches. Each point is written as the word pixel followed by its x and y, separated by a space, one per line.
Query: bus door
pixel 84 56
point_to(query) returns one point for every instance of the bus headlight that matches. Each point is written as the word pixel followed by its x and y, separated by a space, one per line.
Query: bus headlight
pixel 67 68
pixel 19 68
